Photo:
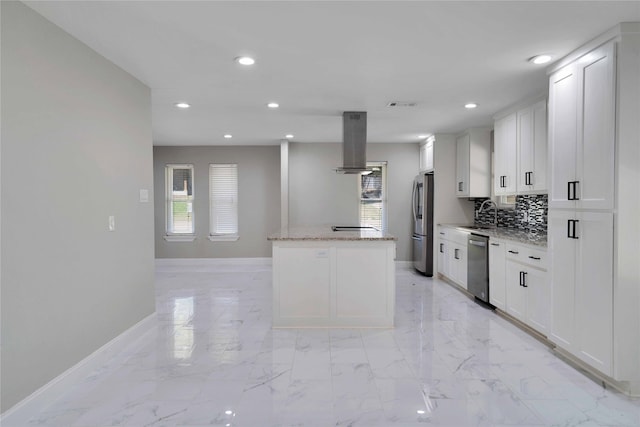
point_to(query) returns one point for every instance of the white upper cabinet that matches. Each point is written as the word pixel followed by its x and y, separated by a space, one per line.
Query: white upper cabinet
pixel 505 144
pixel 473 163
pixel 532 148
pixel 426 156
pixel 520 150
pixel 582 132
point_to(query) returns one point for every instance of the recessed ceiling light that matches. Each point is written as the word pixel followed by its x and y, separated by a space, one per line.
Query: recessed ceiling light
pixel 288 136
pixel 228 135
pixel 273 105
pixel 422 136
pixel 245 60
pixel 420 411
pixel 540 59
pixel 470 105
pixel 182 105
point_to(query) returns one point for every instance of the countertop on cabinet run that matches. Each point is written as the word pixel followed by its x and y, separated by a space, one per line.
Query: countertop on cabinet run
pixel 324 232
pixel 505 233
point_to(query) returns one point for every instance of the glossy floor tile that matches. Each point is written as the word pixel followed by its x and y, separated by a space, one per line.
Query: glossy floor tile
pixel 214 360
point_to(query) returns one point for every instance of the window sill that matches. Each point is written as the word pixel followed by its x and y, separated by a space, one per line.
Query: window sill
pixel 178 238
pixel 225 238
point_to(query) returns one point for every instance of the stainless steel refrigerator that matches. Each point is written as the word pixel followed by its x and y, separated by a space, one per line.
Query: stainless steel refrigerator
pixel 422 212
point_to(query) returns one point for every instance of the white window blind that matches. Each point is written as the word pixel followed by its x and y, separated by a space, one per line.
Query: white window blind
pixel 223 201
pixel 373 197
pixel 179 192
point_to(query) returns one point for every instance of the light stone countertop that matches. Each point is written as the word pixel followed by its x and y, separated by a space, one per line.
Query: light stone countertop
pixel 324 232
pixel 505 233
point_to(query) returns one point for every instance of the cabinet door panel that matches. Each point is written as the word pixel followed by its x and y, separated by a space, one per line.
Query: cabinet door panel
pixel 462 165
pixel 532 148
pixel 562 250
pixel 443 258
pixel 462 269
pixel 562 135
pixel 538 313
pixel 505 143
pixel 594 293
pixel 497 292
pixel 539 177
pixel 516 294
pixel 361 282
pixel 305 274
pixel 596 129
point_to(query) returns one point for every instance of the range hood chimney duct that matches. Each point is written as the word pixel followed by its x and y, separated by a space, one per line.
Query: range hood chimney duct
pixel 354 142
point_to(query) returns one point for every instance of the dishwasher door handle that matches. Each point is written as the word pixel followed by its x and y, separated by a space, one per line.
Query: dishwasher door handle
pixel 477 243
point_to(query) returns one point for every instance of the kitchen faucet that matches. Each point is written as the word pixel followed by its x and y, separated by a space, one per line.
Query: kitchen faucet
pixel 495 211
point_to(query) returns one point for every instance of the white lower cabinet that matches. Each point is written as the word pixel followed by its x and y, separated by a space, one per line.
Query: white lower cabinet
pixel 582 285
pixel 452 255
pixel 497 270
pixel 526 284
pixel 333 283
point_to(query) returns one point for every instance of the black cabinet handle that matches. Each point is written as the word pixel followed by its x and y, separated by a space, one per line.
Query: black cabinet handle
pixel 527 178
pixel 495 244
pixel 455 253
pixel 460 186
pixel 537 258
pixel 572 190
pixel 523 279
pixel 441 248
pixel 442 233
pixel 571 228
pixel 514 252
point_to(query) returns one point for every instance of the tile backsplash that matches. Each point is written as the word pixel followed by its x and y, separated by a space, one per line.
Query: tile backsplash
pixel 530 214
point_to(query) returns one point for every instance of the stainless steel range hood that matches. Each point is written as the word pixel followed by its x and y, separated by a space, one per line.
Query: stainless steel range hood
pixel 354 142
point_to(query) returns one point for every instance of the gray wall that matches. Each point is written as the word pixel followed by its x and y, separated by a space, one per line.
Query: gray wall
pixel 76 148
pixel 258 200
pixel 317 195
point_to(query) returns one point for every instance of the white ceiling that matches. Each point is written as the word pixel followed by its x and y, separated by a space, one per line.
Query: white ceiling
pixel 320 58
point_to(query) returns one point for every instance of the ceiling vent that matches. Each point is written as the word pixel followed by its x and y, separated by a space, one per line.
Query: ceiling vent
pixel 394 104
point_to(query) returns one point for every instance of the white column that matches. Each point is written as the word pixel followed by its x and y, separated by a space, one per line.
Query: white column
pixel 284 184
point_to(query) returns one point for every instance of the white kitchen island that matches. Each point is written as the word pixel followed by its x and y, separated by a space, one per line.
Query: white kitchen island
pixel 326 278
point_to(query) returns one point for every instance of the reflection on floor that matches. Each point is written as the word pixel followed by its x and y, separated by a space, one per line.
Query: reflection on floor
pixel 214 360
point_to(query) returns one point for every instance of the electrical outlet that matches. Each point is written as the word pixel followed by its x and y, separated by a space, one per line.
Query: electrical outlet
pixel 112 223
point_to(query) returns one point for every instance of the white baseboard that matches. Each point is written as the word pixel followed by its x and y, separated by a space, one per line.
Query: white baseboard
pixel 20 413
pixel 219 262
pixel 210 262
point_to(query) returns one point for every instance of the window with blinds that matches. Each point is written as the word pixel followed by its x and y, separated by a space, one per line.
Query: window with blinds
pixel 373 198
pixel 179 199
pixel 223 201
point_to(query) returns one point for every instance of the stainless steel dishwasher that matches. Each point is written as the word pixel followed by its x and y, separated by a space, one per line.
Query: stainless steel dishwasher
pixel 478 267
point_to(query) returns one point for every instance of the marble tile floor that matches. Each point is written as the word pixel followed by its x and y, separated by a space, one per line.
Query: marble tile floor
pixel 214 360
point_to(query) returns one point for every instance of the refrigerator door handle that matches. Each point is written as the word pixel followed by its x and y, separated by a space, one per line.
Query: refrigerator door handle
pixel 413 201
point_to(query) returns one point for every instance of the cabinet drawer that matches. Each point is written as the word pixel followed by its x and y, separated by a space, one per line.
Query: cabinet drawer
pixel 526 255
pixel 443 233
pixel 515 252
pixel 459 237
pixel 535 257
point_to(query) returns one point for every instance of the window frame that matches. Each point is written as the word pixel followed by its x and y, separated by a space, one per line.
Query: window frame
pixel 383 197
pixel 171 235
pixel 216 236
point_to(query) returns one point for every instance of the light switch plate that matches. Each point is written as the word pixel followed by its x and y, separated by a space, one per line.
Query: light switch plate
pixel 144 195
pixel 112 223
